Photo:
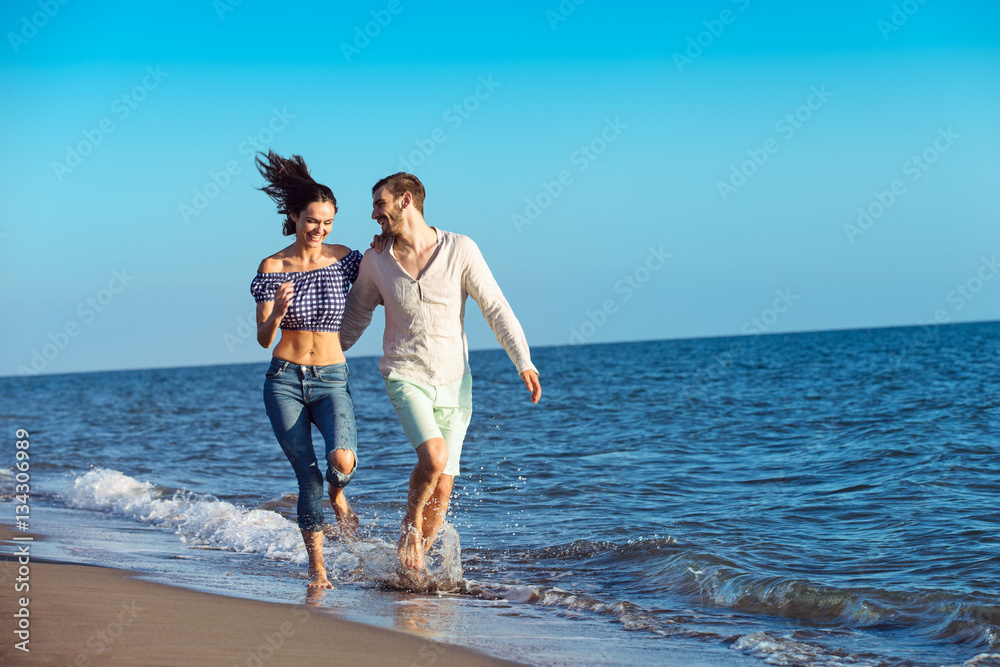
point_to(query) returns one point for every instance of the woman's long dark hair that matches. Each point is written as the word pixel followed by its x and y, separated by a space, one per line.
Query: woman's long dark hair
pixel 291 187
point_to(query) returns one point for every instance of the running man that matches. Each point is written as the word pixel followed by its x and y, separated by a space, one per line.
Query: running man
pixel 423 277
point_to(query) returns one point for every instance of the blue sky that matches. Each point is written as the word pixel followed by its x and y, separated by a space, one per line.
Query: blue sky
pixel 630 171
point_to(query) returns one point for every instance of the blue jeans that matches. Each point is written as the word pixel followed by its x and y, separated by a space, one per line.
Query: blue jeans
pixel 295 398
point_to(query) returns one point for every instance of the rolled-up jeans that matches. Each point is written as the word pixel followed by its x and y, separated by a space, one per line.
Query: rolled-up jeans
pixel 295 398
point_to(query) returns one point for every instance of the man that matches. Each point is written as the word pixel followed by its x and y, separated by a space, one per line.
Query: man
pixel 422 277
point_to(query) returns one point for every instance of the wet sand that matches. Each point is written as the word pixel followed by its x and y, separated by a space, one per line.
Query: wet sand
pixel 85 615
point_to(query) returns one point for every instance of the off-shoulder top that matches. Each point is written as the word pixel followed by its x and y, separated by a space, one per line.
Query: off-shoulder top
pixel 320 294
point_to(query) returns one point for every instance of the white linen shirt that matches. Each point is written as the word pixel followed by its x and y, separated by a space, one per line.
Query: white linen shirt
pixel 424 340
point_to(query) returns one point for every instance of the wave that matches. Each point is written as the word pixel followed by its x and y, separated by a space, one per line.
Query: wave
pixel 663 565
pixel 629 615
pixel 8 483
pixel 648 566
pixel 207 522
pixel 787 651
pixel 937 615
pixel 982 660
pixel 198 519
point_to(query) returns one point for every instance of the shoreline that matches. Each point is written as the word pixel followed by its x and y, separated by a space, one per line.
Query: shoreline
pixel 79 614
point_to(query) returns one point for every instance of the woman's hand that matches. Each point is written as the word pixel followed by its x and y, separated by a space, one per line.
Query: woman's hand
pixel 283 299
pixel 379 243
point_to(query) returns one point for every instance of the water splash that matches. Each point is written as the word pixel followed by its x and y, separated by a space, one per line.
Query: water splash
pixel 374 560
pixel 205 521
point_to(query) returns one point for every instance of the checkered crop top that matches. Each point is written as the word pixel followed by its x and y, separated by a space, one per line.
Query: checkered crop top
pixel 320 294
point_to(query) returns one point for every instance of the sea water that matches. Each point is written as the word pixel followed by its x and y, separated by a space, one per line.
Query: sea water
pixel 804 499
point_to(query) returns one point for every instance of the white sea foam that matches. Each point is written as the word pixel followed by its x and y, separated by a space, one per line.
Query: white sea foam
pixel 198 519
pixel 784 651
pixel 631 616
pixel 7 483
pixel 982 660
pixel 206 521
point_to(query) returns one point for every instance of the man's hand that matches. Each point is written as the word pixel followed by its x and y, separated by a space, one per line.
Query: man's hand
pixel 530 378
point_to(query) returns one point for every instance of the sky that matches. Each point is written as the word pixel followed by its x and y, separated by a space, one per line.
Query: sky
pixel 630 171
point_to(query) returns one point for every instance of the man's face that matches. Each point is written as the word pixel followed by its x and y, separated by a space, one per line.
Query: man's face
pixel 387 211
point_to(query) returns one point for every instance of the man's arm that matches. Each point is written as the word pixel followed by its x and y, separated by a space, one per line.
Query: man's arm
pixel 481 286
pixel 362 300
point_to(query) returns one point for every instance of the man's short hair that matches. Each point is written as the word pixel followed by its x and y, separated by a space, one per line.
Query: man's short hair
pixel 400 183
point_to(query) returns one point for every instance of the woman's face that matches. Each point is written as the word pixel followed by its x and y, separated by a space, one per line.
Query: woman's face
pixel 313 223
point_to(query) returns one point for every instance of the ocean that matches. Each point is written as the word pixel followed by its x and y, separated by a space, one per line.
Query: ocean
pixel 809 499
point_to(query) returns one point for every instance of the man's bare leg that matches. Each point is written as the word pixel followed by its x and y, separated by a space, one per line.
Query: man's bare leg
pixel 317 566
pixel 432 456
pixel 343 460
pixel 436 509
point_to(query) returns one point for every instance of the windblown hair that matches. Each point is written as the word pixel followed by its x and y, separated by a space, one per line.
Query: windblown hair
pixel 401 182
pixel 291 187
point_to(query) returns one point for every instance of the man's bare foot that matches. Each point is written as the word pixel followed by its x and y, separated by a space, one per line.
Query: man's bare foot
pixel 318 580
pixel 346 518
pixel 429 542
pixel 410 549
pixel 414 580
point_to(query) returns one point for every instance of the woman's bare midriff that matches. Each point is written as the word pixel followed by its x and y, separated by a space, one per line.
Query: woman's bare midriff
pixel 310 348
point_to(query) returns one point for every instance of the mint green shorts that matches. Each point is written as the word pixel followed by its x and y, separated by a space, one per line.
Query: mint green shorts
pixel 433 412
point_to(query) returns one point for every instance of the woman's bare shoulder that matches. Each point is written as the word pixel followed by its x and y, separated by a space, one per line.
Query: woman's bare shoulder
pixel 337 251
pixel 273 264
pixel 276 263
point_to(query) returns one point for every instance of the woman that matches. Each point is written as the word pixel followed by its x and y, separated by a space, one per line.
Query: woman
pixel 302 290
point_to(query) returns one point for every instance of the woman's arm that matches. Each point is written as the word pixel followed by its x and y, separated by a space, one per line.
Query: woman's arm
pixel 270 314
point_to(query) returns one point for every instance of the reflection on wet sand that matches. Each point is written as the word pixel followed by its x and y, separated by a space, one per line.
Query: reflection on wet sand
pixel 429 617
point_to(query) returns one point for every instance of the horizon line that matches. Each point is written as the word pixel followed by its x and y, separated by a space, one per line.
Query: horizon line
pixel 25 377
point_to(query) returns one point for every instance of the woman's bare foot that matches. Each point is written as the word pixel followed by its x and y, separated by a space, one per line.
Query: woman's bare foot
pixel 317 567
pixel 346 517
pixel 318 580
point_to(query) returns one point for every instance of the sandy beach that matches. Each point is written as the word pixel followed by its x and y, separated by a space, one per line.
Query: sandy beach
pixel 84 615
